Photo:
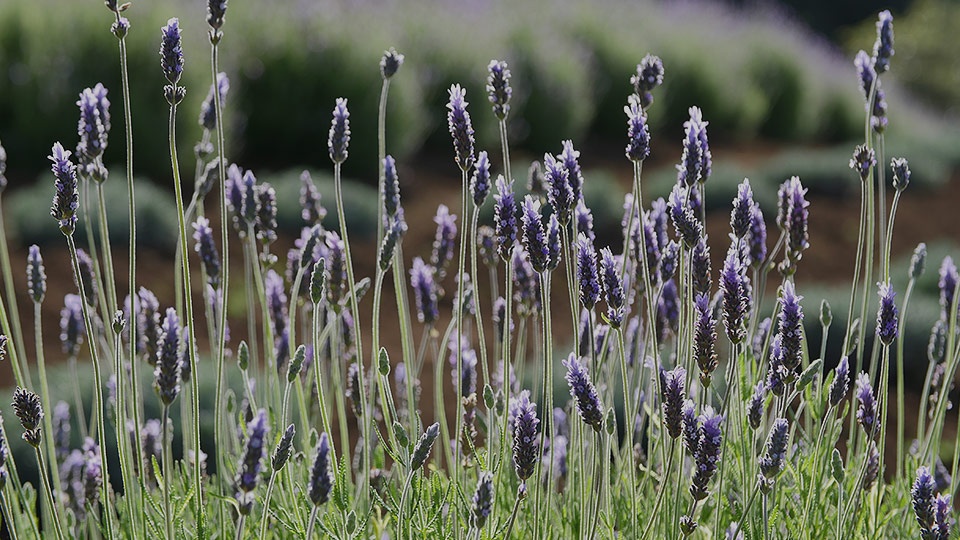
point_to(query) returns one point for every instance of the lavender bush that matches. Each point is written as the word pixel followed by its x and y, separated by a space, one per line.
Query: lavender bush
pixel 320 440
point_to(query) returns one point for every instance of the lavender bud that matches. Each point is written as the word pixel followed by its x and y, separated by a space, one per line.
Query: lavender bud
pixel 922 496
pixel 27 407
pixel 424 445
pixel 883 47
pixel 425 291
pixel 691 427
pixel 3 170
pixel 696 161
pixel 208 109
pixel 355 389
pixel 296 364
pixel 526 283
pixel 167 372
pixel 942 508
pixel 742 208
pixel 534 237
pixel 553 242
pixel 841 382
pixel 757 237
pixel 36 277
pixel 649 76
pixel 585 394
pixel 949 279
pixel 705 339
pixel 317 280
pixel 207 249
pixel 526 441
pixel 282 452
pixel 91 128
pixel 638 134
pixel 571 162
pixel 251 202
pixel 66 199
pixel 321 479
pixel 390 63
pixel 918 262
pixel 700 266
pixel 796 219
pixel 612 287
pixel 872 470
pixel 72 327
pixel 505 218
pixel 684 221
pixel 498 88
pixel 186 368
pixel 866 73
pixel 171 53
pixel 482 501
pixel 336 279
pixel 396 228
pixel 266 221
pixel 460 126
pixel 756 403
pixel 867 408
pixel 583 220
pixel 480 181
pixel 673 382
pixel 249 470
pixel 736 296
pixel 790 327
pixel 587 276
pixel 120 27
pixel 339 138
pixel 444 241
pixel 312 211
pixel 887 315
pixel 936 347
pixel 863 161
pixel 707 456
pixel 560 192
pixel 536 183
pixel 216 11
pixel 775 449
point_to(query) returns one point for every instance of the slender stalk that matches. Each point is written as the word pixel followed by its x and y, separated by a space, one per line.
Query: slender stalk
pixel 513 517
pixel 45 393
pixel 8 517
pixel 381 152
pixel 598 482
pixel 266 505
pixel 311 521
pixel 109 281
pixel 11 295
pixel 456 473
pixel 167 476
pixel 481 338
pixel 48 494
pixel 628 410
pixel 901 415
pixel 240 523
pixel 660 491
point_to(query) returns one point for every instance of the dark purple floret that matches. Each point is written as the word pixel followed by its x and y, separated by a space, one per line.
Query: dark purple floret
pixel 887 315
pixel 790 327
pixel 216 11
pixel 26 405
pixel 498 88
pixel 171 53
pixel 705 339
pixel 282 452
pixel 571 162
pixel 922 495
pixel 425 291
pixel 742 209
pixel 584 393
pixel 612 287
pixel 700 267
pixel 649 76
pixel 707 456
pixel 638 134
pixel 688 227
pixel 757 237
pixel 71 325
pixel 673 385
pixel 444 241
pixel 587 275
pixel 312 211
pixel 883 47
pixel 461 128
pixel 482 501
pixel 186 368
pixel 866 73
pixel 942 508
pixel 250 208
pixel 796 219
pixel 207 249
pixel 208 109
pixel 755 404
pixel 91 128
pixel 878 116
pixel 36 276
pixel 553 242
pixel 867 408
pixel 266 221
pixel 321 478
pixel 249 469
pixel 66 200
pixel 901 173
pixel 560 192
pixel 167 371
pixel 480 181
pixel 148 322
pixel 949 280
pixel 396 228
pixel 735 287
pixel 423 447
pixel 775 449
pixel 526 439
pixel 691 427
pixel 390 63
pixel 336 279
pixel 505 218
pixel 583 220
pixel 841 382
pixel 863 161
pixel 339 137
pixel 534 237
pixel 696 161
pixel 777 374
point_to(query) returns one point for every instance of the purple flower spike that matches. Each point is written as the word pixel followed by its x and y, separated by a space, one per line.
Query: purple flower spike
pixel 796 219
pixel 583 220
pixel 560 193
pixel 863 161
pixel 505 218
pixel 942 508
pixel 90 128
pixel 391 186
pixel 673 383
pixel 480 181
pixel 321 479
pixel 526 441
pixel 498 88
pixel 312 211
pixel 339 137
pixel 390 63
pixel 587 276
pixel 649 76
pixel 775 449
pixel 883 47
pixel 208 109
pixel 923 506
pixel 757 237
pixel 865 72
pixel 534 237
pixel 171 52
pixel 901 173
pixel 71 325
pixel 249 470
pixel 336 279
pixel 736 295
pixel 684 220
pixel 691 427
pixel 424 289
pixel 790 327
pixel 867 408
pixel 207 249
pixel 887 315
pixel 612 287
pixel 841 382
pixel 755 405
pixel 949 279
pixel 26 405
pixel 461 128
pixel 705 339
pixel 36 276
pixel 696 161
pixel 584 393
pixel 700 266
pixel 707 457
pixel 553 242
pixel 444 241
pixel 571 161
pixel 638 134
pixel 742 209
pixel 66 199
pixel 167 372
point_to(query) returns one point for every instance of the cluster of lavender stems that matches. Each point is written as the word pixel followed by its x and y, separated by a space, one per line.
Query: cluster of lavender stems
pixel 661 426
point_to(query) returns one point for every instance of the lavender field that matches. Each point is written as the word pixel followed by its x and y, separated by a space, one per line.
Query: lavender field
pixel 463 276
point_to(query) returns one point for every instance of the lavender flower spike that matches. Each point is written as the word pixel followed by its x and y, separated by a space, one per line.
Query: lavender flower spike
pixel 482 500
pixel 901 173
pixel 585 394
pixel 922 496
pixel 36 277
pixel 339 138
pixel 707 457
pixel 942 508
pixel 887 315
pixel 390 63
pixel 336 269
pixel 865 72
pixel 686 223
pixel 587 276
pixel 649 76
pixel 321 479
pixel 71 325
pixel 755 405
pixel 553 242
pixel 796 219
pixel 673 383
pixel 171 52
pixel 638 134
pixel 560 193
pixel 207 249
pixel 742 208
pixel 443 242
pixel 534 237
pixel 312 211
pixel 66 200
pixel 736 295
pixel 26 405
pixel 790 327
pixel 422 450
pixel 691 427
pixel 841 382
pixel 948 283
pixel 863 161
pixel 248 472
pixel 705 339
pixel 696 162
pixel 208 109
pixel 867 408
pixel 505 218
pixel 883 47
pixel 461 128
pixel 425 291
pixel 612 287
pixel 757 237
pixel 498 88
pixel 775 449
pixel 526 442
pixel 480 181
pixel 167 372
pixel 571 161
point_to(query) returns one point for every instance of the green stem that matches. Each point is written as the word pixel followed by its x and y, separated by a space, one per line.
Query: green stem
pixel 11 296
pixel 266 505
pixel 167 477
pixel 901 416
pixel 627 423
pixel 58 528
pixel 45 393
pixel 312 521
